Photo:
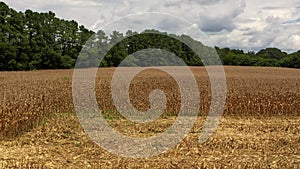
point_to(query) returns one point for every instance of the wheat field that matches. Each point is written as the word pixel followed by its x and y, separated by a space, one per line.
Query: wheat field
pixel 260 127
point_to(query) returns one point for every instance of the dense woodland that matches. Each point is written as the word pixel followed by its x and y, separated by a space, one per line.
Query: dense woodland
pixel 31 40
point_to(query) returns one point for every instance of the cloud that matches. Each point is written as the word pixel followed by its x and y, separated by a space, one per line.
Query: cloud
pixel 224 19
pixel 292 21
pixel 262 25
pixel 206 2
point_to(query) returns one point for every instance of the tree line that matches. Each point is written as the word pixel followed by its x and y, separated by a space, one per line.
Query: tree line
pixel 31 40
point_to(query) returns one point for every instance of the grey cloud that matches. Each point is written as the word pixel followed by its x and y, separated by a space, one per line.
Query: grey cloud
pixel 250 32
pixel 216 24
pixel 178 3
pixel 175 3
pixel 272 7
pixel 144 21
pixel 292 21
pixel 225 21
pixel 206 2
pixel 271 20
pixel 170 24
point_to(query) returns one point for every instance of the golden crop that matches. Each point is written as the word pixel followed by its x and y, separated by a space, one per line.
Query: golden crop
pixel 263 104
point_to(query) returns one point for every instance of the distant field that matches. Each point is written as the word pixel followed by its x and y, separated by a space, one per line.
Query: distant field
pixel 260 127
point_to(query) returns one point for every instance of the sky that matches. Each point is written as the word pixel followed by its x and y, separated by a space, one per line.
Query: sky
pixel 250 25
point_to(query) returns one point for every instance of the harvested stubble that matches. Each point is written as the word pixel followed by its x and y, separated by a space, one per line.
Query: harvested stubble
pixel 237 143
pixel 260 129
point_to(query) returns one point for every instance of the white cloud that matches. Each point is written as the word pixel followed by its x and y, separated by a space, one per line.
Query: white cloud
pixel 263 25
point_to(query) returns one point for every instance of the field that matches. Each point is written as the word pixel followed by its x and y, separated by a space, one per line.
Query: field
pixel 260 127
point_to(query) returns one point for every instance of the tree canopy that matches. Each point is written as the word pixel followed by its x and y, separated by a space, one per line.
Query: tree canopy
pixel 32 40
